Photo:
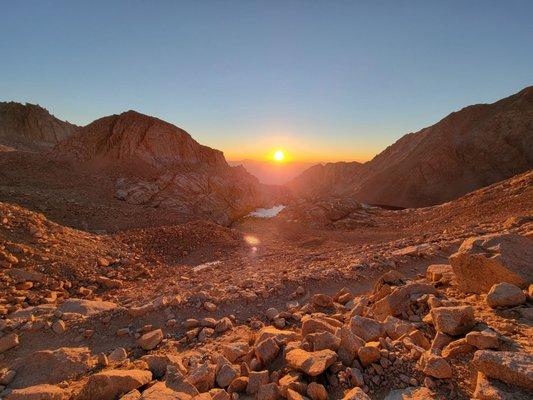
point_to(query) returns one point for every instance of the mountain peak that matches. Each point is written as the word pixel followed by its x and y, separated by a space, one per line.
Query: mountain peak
pixel 133 138
pixel 30 126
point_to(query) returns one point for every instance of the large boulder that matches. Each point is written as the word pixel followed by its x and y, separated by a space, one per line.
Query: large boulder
pixel 492 389
pixel 111 384
pixel 38 392
pixel 52 366
pixel 161 391
pixel 514 368
pixel 484 261
pixel 505 295
pixel 453 320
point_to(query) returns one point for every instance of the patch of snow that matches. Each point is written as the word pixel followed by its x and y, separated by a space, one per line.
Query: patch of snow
pixel 367 206
pixel 206 265
pixel 267 212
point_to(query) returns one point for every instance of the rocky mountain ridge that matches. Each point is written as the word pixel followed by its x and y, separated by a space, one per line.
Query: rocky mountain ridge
pixel 135 140
pixel 30 127
pixel 468 149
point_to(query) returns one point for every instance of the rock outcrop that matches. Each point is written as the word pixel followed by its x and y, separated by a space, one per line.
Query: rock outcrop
pixel 482 262
pixel 31 127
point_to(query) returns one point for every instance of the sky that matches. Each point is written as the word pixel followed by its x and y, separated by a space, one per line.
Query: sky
pixel 322 80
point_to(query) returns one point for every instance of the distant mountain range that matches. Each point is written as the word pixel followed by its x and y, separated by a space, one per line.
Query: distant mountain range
pixel 271 172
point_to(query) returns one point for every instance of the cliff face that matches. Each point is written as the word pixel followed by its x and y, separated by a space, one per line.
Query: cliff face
pixel 31 127
pixel 467 150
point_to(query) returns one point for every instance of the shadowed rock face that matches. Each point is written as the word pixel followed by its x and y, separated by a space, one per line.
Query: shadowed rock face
pixel 469 149
pixel 331 179
pixel 161 165
pixel 31 127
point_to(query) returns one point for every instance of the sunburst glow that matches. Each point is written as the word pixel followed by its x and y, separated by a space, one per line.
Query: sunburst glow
pixel 279 155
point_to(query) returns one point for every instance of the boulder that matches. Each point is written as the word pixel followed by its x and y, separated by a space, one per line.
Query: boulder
pixel 456 348
pixel 158 363
pixel 486 339
pixel 226 374
pixel 203 377
pixel 367 328
pixel 86 307
pixel 395 327
pixel 256 379
pixel 398 301
pixel 355 394
pixel 111 384
pixel 267 350
pixel 269 391
pixel 312 324
pixel 236 350
pixel 484 261
pixel 161 391
pixel 322 300
pixel 492 389
pixel 281 336
pixel 52 366
pixel 150 340
pixel 349 345
pixel 453 320
pixel 505 295
pixel 311 363
pixel 436 272
pixel 435 366
pixel 323 340
pixel 369 354
pixel 38 392
pixel 514 368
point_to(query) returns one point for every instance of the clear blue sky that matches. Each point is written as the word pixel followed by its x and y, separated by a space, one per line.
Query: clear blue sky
pixel 323 79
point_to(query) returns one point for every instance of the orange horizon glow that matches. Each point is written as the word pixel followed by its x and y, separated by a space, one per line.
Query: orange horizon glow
pixel 295 149
pixel 289 157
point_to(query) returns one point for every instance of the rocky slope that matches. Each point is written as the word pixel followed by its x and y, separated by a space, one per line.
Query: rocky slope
pixel 466 150
pixel 161 165
pixel 31 127
pixel 324 180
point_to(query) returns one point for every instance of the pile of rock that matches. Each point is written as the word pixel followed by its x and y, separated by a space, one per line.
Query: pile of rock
pixel 410 339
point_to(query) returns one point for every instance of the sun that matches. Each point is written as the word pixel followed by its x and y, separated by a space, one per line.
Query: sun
pixel 279 155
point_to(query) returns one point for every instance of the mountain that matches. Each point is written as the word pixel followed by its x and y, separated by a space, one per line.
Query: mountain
pixel 132 139
pixel 271 172
pixel 468 149
pixel 160 165
pixel 324 180
pixel 31 127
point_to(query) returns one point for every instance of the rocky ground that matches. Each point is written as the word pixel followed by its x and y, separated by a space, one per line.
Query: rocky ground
pixel 276 308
